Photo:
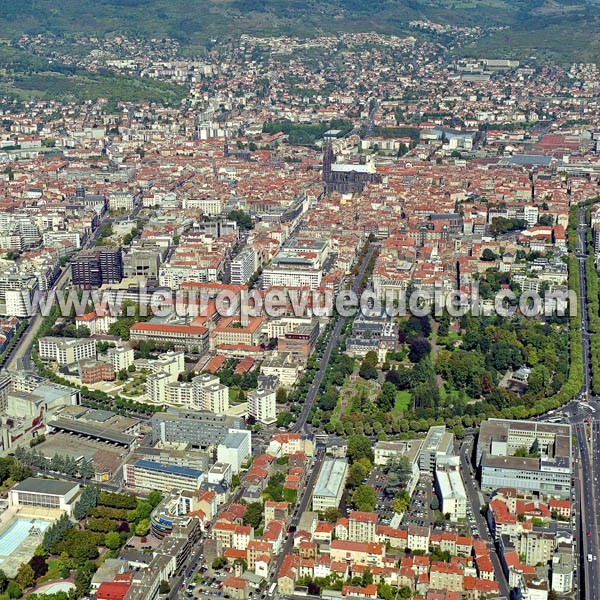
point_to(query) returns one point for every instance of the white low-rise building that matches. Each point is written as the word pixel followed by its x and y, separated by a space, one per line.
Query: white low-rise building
pixel 235 449
pixel 450 487
pixel 44 493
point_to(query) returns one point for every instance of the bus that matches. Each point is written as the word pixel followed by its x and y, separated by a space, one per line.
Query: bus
pixel 272 589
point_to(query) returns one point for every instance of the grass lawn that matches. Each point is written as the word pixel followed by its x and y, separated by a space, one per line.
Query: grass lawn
pixel 448 340
pixel 335 415
pixel 402 403
pixel 447 392
pixel 53 572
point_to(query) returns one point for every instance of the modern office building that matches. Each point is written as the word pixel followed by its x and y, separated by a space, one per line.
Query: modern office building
pixel 44 493
pixel 525 455
pixel 262 406
pixel 330 484
pixel 152 475
pixel 201 429
pixel 96 267
pixel 450 487
pixel 142 262
pixel 438 442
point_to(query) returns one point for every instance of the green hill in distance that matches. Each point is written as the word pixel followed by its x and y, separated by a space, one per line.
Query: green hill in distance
pixel 566 29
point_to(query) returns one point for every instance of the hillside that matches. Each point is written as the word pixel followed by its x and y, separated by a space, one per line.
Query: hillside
pixel 531 23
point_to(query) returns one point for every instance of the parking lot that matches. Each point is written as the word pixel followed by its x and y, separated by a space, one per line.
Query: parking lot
pixel 421 513
pixel 208 584
pixel 383 508
pixel 106 457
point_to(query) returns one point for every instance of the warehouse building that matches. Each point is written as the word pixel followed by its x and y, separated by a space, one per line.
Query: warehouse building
pixel 330 484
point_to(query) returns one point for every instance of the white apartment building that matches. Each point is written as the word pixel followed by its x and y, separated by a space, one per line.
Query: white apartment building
pixel 65 351
pixel 310 279
pixel 55 238
pixel 530 214
pixel 281 366
pixel 172 363
pixel 243 266
pixel 180 393
pixel 437 443
pixel 562 573
pixel 210 394
pixel 156 387
pixel 262 406
pixel 220 472
pixel 172 276
pixel 21 302
pixel 120 358
pixel 21 224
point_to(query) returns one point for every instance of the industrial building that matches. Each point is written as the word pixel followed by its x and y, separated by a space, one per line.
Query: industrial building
pixel 330 484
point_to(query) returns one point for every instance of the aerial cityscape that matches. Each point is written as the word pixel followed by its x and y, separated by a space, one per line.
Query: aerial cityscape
pixel 300 300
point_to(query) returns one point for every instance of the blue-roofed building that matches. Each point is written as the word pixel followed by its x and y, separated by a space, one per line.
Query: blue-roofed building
pixel 527 160
pixel 149 475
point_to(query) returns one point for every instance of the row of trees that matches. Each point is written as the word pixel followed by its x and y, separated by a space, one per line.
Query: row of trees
pixel 592 292
pixel 574 381
pixel 88 500
pixel 66 465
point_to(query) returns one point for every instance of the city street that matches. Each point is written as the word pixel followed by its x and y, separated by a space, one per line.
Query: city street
pixel 473 495
pixel 333 343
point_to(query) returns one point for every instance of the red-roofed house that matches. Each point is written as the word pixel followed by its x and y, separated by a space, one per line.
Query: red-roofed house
pixel 112 590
